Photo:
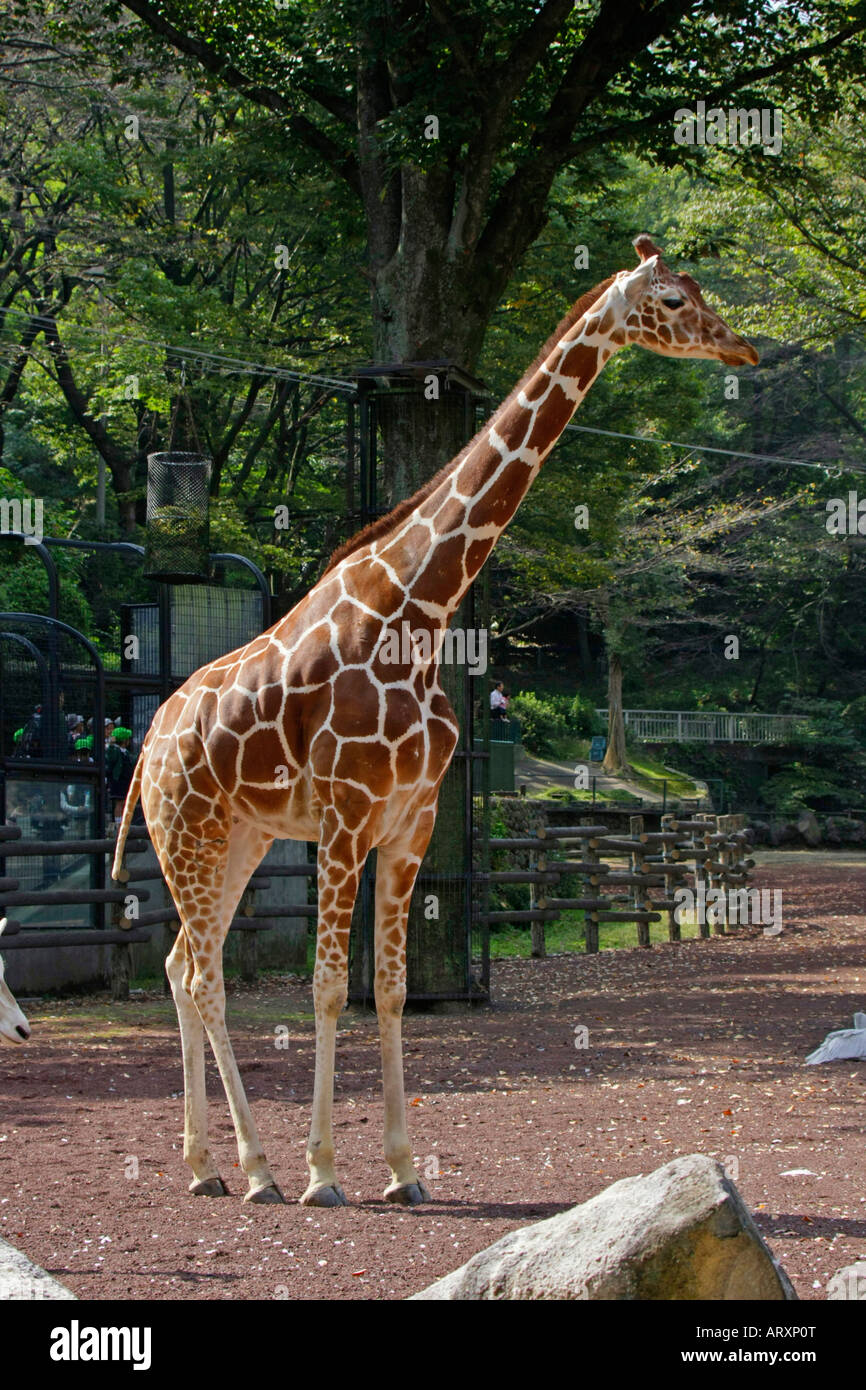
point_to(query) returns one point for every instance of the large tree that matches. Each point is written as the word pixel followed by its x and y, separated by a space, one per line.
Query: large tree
pixel 451 204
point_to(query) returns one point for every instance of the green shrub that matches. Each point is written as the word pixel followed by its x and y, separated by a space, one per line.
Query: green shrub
pixel 541 721
pixel 801 787
pixel 854 715
pixel 583 719
pixel 548 722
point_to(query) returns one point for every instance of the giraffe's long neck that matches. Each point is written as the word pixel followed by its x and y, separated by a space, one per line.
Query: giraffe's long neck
pixel 437 550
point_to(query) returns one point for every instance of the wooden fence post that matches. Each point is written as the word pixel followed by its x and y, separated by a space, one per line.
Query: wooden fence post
pixel 248 946
pixel 538 948
pixel 640 892
pixel 671 882
pixel 700 852
pixel 121 956
pixel 723 858
pixel 590 919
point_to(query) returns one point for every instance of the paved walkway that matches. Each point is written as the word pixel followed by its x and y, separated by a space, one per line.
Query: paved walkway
pixel 540 775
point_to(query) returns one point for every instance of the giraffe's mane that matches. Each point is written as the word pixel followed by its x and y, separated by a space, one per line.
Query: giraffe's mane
pixel 383 524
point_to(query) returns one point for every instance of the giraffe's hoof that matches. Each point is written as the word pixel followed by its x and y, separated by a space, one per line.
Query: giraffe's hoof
pixel 407 1194
pixel 324 1195
pixel 208 1187
pixel 270 1193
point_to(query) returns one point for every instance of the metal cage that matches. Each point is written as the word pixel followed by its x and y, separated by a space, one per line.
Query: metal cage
pixel 178 518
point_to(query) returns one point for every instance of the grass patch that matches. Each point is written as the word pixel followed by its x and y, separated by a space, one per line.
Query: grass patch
pixel 568 748
pixel 649 773
pixel 566 936
pixel 583 796
pixel 100 1021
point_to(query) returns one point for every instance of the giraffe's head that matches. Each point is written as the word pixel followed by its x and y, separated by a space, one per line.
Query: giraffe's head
pixel 14 1027
pixel 667 314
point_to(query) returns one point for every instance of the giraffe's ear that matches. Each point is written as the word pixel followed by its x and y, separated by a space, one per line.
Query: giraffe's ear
pixel 646 247
pixel 637 281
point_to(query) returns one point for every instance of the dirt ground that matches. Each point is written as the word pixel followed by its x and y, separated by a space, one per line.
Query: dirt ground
pixel 697 1047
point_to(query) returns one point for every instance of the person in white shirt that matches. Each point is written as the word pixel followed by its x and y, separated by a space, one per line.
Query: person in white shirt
pixel 498 702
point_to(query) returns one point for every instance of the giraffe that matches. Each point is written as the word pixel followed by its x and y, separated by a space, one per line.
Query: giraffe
pixel 14 1027
pixel 323 728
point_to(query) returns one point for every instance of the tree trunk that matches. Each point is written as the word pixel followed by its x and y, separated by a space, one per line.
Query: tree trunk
pixel 432 296
pixel 413 298
pixel 615 759
pixel 584 652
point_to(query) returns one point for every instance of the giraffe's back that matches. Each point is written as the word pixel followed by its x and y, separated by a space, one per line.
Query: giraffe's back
pixel 302 718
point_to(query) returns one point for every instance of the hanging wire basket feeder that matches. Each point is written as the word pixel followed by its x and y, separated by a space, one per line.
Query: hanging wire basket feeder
pixel 177 542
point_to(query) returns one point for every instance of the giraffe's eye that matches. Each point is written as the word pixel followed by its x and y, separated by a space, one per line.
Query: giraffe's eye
pixel 673 303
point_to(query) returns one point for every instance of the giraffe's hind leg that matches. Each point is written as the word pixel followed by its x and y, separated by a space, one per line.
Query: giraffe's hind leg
pixel 206 895
pixel 396 870
pixel 206 1180
pixel 340 861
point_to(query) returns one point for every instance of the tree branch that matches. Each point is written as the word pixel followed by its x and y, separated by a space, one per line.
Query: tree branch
pixel 625 130
pixel 273 100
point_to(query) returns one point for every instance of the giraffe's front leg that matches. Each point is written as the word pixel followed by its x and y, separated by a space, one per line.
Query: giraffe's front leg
pixel 330 988
pixel 396 870
pixel 339 874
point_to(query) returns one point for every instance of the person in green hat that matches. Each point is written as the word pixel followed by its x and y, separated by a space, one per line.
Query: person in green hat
pixel 76 798
pixel 119 767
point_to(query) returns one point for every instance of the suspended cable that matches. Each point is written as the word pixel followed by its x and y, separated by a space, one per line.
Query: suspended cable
pixel 231 365
pixel 241 367
pixel 837 468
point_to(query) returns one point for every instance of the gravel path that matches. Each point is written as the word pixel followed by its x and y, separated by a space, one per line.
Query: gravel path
pixel 695 1047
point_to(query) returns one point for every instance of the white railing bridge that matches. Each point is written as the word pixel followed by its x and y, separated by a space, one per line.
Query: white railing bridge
pixel 710 726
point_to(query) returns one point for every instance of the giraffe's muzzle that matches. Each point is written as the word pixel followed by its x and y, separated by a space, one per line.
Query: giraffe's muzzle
pixel 741 354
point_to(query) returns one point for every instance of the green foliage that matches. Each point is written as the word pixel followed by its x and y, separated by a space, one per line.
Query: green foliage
pixel 541 721
pixel 854 715
pixel 583 719
pixel 800 787
pixel 552 725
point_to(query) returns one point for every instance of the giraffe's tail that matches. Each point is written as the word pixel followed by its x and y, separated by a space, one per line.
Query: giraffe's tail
pixel 131 802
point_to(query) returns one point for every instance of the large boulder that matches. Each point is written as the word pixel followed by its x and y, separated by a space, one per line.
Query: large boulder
pixel 22 1281
pixel 782 832
pixel 832 832
pixel 682 1232
pixel 807 825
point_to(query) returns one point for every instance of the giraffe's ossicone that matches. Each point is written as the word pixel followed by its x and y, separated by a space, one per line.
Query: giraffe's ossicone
pixel 328 728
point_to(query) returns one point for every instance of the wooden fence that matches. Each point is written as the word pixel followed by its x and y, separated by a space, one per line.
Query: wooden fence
pixel 708 851
pixel 126 929
pixel 684 852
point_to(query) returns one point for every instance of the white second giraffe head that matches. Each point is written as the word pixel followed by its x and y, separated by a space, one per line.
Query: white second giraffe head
pixel 14 1027
pixel 666 313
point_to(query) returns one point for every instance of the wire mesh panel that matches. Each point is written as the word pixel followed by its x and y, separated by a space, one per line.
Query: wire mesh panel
pixel 52 741
pixel 51 808
pixel 50 690
pixel 178 522
pixel 207 622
